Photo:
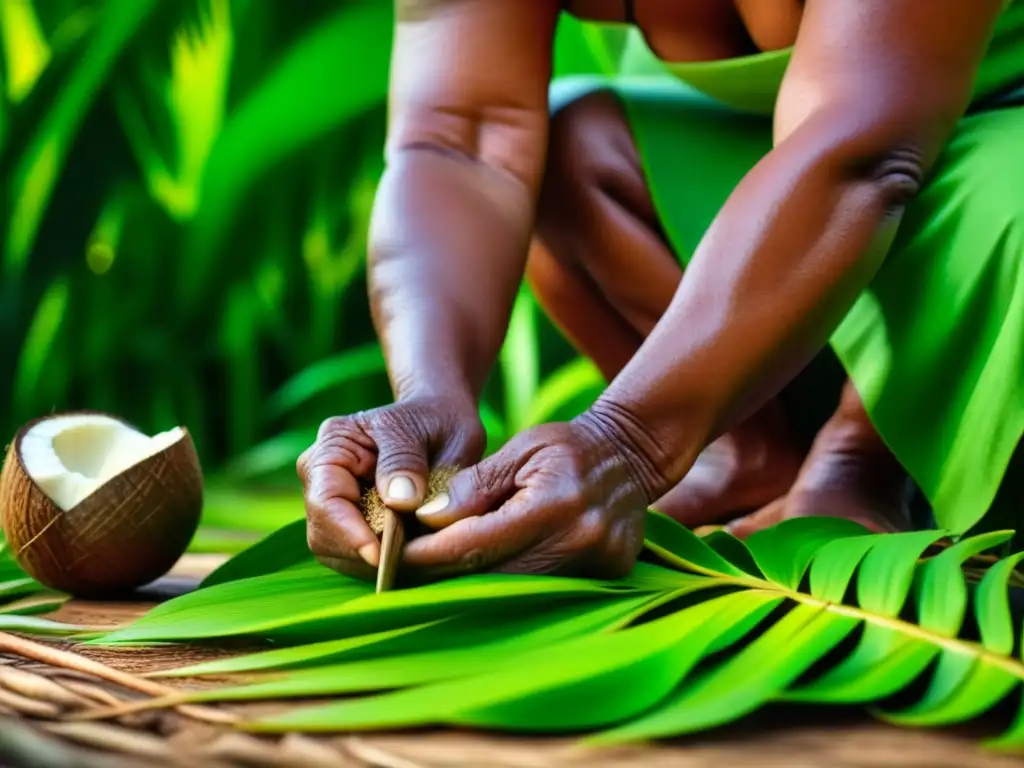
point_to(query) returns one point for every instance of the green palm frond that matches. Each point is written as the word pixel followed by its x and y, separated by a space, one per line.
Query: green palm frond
pixel 193 96
pixel 37 166
pixel 703 632
pixel 22 598
pixel 24 46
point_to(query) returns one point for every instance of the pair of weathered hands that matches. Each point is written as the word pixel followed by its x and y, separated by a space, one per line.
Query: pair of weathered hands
pixel 566 498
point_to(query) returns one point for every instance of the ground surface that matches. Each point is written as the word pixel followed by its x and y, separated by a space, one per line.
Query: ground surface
pixel 790 739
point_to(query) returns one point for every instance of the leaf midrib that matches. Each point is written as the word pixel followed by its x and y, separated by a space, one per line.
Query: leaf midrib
pixel 1006 663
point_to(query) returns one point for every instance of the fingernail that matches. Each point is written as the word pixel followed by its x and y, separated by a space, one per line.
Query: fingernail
pixel 401 488
pixel 370 553
pixel 437 504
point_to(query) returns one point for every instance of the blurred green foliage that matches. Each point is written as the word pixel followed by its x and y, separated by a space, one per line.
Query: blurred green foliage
pixel 187 187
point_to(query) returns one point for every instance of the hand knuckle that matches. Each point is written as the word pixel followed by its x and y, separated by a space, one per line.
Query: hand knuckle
pixel 345 428
pixel 473 560
pixel 315 540
pixel 302 464
pixel 339 450
pixel 592 531
pixel 399 458
pixel 573 496
pixel 331 425
pixel 533 562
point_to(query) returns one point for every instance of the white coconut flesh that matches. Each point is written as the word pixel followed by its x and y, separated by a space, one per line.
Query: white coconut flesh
pixel 70 457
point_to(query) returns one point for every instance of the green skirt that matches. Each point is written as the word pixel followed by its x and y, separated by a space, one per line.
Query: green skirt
pixel 935 345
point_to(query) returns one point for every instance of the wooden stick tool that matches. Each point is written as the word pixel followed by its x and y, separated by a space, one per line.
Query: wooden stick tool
pixel 392 541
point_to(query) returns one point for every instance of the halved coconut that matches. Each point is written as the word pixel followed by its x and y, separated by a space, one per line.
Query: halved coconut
pixel 91 506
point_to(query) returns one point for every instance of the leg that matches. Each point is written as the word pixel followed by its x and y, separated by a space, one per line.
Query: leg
pixel 849 473
pixel 601 268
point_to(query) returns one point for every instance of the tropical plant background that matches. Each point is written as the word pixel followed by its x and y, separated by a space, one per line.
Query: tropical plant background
pixel 187 187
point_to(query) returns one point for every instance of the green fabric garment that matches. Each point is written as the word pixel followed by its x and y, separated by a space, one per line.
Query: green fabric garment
pixel 751 83
pixel 935 345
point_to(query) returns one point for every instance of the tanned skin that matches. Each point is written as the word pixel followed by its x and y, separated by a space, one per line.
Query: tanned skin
pixel 872 93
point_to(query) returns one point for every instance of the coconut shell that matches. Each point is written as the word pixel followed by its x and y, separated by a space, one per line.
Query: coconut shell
pixel 127 533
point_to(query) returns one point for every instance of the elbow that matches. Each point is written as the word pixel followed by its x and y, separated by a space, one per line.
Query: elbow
pixel 892 169
pixel 508 140
pixel 897 174
pixel 890 152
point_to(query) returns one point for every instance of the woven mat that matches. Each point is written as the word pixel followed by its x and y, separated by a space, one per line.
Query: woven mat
pixel 36 697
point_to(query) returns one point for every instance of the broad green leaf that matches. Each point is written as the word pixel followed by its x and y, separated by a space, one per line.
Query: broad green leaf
pixel 742 628
pixel 756 675
pixel 992 606
pixel 18 587
pixel 835 563
pixel 733 550
pixel 942 591
pixel 885 661
pixel 468 629
pixel 326 375
pixel 33 625
pixel 784 551
pixel 682 548
pixel 887 571
pixel 967 681
pixel 963 688
pixel 38 602
pixel 381 611
pixel 647 577
pixel 303 655
pixel 633 674
pixel 308 602
pixel 584 682
pixel 282 549
pixel 265 606
pixel 1013 737
pixel 526 637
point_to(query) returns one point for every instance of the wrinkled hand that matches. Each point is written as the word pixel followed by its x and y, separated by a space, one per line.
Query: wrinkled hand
pixel 567 498
pixel 391 446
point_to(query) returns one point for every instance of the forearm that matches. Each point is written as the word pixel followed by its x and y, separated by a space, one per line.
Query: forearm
pixel 449 240
pixel 795 244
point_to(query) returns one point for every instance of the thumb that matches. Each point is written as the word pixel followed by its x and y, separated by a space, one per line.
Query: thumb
pixel 474 491
pixel 402 469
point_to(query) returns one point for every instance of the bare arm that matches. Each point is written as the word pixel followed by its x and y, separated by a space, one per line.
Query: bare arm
pixel 454 212
pixel 873 92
